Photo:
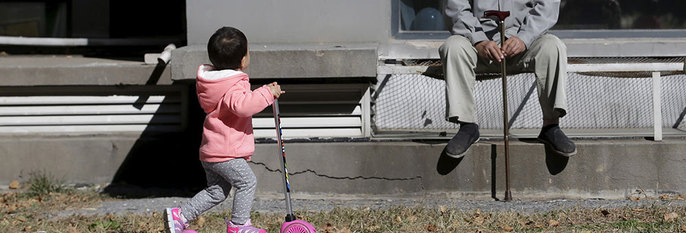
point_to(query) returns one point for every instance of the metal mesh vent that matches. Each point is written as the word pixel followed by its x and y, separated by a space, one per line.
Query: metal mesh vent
pixel 414 102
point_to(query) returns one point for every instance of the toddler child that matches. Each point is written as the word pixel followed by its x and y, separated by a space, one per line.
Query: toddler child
pixel 227 140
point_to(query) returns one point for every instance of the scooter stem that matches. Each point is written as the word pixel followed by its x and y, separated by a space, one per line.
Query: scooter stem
pixel 286 183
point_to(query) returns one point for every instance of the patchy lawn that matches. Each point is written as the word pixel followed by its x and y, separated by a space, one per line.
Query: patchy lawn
pixel 37 207
pixel 23 211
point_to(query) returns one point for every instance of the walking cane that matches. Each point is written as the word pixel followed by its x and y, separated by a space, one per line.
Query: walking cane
pixel 500 16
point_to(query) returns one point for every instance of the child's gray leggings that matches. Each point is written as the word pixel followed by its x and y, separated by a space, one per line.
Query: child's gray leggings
pixel 220 178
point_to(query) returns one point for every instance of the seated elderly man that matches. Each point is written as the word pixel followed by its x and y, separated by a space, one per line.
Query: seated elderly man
pixel 474 47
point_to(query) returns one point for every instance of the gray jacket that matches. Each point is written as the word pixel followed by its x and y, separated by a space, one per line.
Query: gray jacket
pixel 528 20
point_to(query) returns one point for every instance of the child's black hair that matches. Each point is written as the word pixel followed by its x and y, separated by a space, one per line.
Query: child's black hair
pixel 227 47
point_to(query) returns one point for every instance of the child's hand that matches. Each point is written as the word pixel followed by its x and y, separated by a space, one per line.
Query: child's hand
pixel 275 89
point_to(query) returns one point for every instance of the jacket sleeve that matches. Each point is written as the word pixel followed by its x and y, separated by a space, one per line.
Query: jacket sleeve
pixel 245 103
pixel 463 20
pixel 539 19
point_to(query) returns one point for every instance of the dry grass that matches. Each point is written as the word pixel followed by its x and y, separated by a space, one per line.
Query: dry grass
pixel 21 212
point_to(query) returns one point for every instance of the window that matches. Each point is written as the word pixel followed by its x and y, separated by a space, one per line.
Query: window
pixel 33 18
pixel 578 18
pixel 104 27
pixel 102 19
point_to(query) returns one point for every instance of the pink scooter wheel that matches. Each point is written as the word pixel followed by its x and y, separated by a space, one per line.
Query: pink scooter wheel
pixel 189 231
pixel 297 226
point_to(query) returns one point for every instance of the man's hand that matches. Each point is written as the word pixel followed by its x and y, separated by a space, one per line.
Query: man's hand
pixel 513 46
pixel 489 49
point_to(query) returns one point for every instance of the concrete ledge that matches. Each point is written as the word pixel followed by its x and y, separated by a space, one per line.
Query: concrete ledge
pixel 76 70
pixel 617 47
pixel 601 47
pixel 130 158
pixel 289 61
pixel 601 169
pixel 73 159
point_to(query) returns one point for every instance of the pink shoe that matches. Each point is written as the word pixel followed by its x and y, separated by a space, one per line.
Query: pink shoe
pixel 173 221
pixel 245 228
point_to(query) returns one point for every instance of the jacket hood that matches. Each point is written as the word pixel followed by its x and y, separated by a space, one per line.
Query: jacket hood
pixel 212 84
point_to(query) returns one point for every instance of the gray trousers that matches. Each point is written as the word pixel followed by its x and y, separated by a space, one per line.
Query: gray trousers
pixel 546 58
pixel 220 178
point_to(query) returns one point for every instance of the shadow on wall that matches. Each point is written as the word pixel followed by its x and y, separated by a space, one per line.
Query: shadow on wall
pixel 163 164
pixel 554 162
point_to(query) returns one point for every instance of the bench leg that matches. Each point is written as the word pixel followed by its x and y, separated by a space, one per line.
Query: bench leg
pixel 657 107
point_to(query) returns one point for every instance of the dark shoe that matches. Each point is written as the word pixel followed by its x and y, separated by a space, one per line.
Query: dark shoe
pixel 460 143
pixel 553 136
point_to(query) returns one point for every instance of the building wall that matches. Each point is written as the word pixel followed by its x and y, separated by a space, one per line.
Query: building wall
pixel 295 21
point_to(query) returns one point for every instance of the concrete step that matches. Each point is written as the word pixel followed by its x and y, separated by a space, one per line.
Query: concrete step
pixel 601 169
pixel 62 70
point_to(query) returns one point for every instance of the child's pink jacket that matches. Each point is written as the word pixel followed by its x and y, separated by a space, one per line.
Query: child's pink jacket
pixel 226 98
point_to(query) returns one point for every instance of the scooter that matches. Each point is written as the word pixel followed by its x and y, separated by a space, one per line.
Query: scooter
pixel 292 224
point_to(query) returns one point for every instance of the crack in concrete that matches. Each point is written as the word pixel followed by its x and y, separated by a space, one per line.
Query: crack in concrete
pixel 338 177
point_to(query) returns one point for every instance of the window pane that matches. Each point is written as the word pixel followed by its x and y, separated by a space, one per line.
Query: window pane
pixel 622 14
pixel 22 19
pixel 421 15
